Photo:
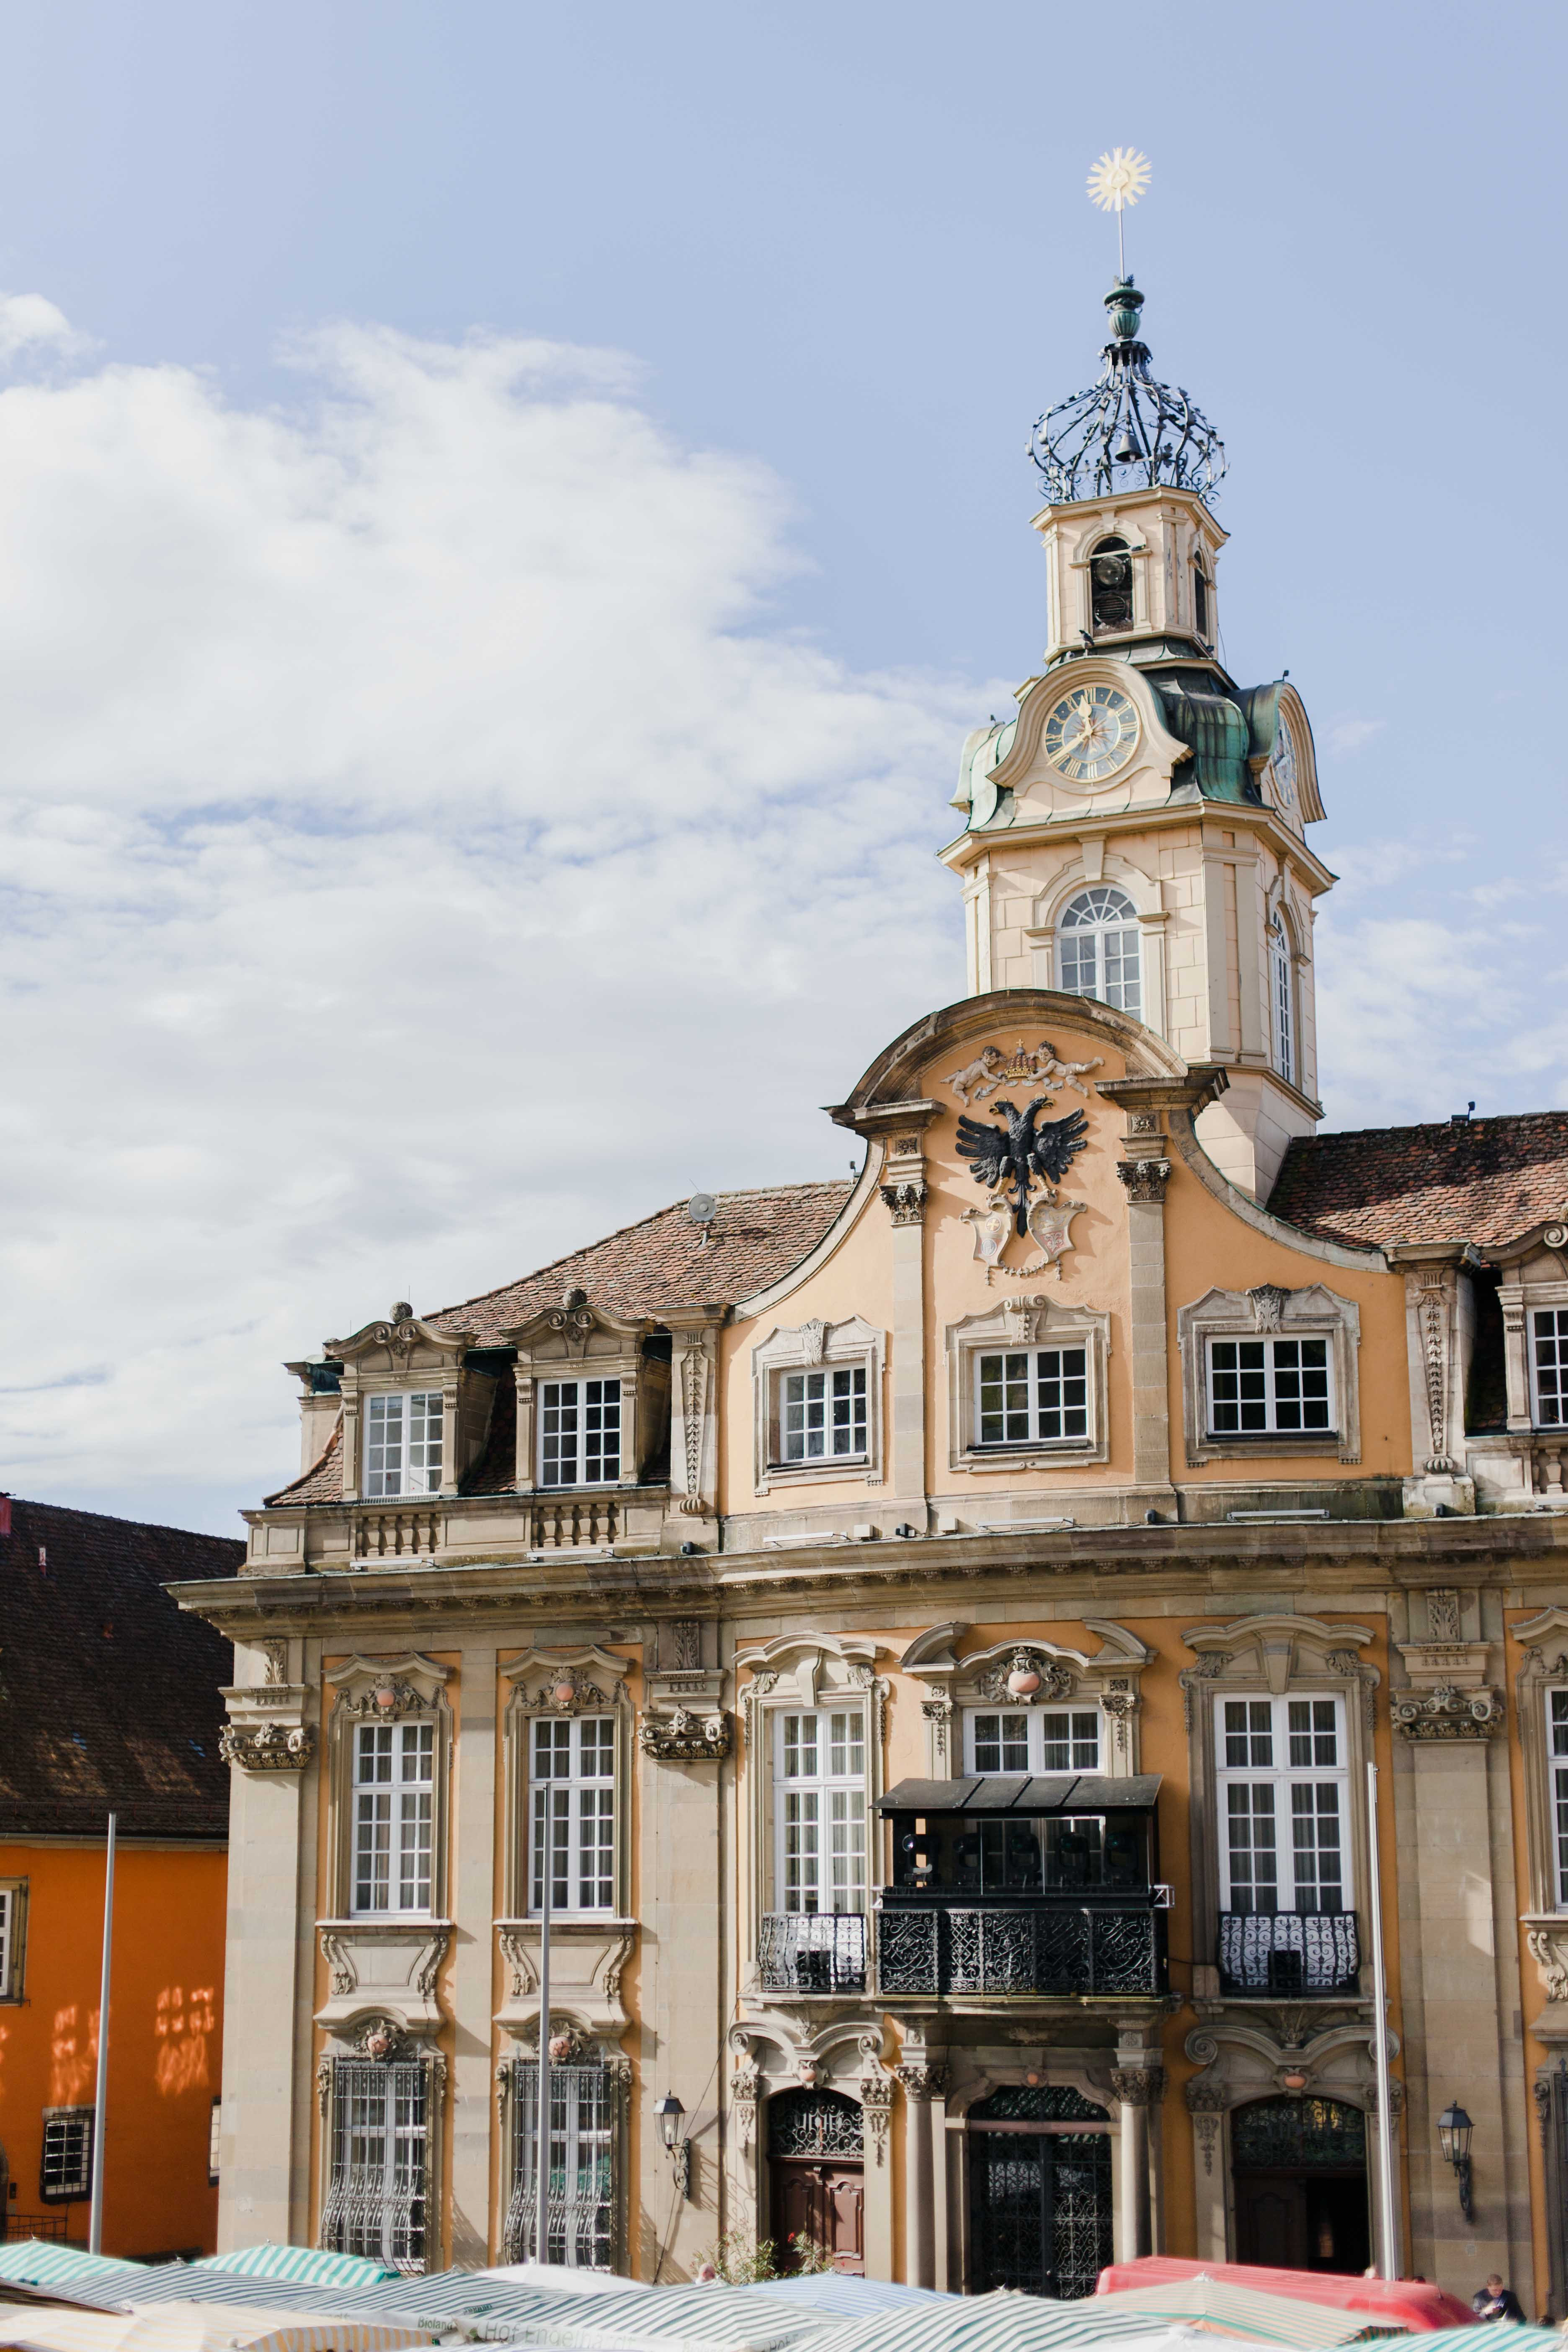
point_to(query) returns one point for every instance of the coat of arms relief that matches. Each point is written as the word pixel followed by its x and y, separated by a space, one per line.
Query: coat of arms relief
pixel 1012 1160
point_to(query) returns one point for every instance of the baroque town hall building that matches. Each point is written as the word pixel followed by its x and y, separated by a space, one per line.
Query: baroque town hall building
pixel 931 1628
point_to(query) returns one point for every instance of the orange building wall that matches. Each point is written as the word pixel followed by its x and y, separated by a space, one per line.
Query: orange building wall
pixel 165 2042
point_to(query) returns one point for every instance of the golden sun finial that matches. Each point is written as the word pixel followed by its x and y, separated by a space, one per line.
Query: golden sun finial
pixel 1118 179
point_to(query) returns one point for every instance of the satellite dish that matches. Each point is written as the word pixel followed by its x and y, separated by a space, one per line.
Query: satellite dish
pixel 702 1208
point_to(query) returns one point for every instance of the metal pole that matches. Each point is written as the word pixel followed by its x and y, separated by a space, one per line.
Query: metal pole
pixel 1388 2259
pixel 542 2158
pixel 100 2095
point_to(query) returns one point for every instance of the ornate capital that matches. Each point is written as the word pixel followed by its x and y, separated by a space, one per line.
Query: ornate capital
pixel 921 2080
pixel 267 1747
pixel 876 2107
pixel 905 1201
pixel 1205 2098
pixel 682 1738
pixel 1447 1713
pixel 1138 2086
pixel 1145 1179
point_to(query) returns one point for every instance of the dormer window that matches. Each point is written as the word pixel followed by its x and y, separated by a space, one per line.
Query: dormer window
pixel 1110 586
pixel 580 1433
pixel 403 1444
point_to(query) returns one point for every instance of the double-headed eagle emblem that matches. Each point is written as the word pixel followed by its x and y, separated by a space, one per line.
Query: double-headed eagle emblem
pixel 1024 1152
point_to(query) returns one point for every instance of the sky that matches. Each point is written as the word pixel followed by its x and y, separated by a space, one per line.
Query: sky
pixel 507 514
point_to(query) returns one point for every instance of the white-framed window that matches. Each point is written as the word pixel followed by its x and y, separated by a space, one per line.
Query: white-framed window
pixel 214 2143
pixel 1283 1003
pixel 822 1415
pixel 1031 1396
pixel 581 2215
pixel 403 1443
pixel 580 1433
pixel 1258 1387
pixel 574 1762
pixel 1557 1752
pixel 376 2192
pixel 819 1800
pixel 12 1903
pixel 1549 1366
pixel 1201 602
pixel 394 1795
pixel 1283 1777
pixel 1031 1739
pixel 1098 949
pixel 65 2170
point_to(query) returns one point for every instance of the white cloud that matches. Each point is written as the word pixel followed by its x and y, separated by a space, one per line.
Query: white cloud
pixel 32 323
pixel 421 855
pixel 1349 735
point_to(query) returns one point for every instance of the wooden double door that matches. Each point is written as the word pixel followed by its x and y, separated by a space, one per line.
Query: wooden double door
pixel 816 2179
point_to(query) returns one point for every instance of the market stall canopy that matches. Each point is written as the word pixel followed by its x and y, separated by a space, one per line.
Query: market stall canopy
pixel 202 2327
pixel 1221 2308
pixel 1391 2302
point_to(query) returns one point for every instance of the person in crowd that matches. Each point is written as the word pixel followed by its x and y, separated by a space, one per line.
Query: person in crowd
pixel 1495 2301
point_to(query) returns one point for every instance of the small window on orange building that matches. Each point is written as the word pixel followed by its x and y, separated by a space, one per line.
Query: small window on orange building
pixel 66 2172
pixel 13 1940
pixel 215 2137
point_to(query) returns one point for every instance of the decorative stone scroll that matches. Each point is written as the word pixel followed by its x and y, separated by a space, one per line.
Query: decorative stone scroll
pixel 268 1747
pixel 1446 1713
pixel 682 1738
pixel 1025 1678
pixel 906 1201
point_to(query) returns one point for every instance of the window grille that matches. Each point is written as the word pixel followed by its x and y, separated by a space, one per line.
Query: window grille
pixel 1036 1739
pixel 820 1805
pixel 822 1414
pixel 579 1433
pixel 403 1444
pixel 393 1794
pixel 1098 952
pixel 1286 2135
pixel 1282 1777
pixel 581 2208
pixel 574 1789
pixel 66 2169
pixel 379 2161
pixel 814 2122
pixel 1260 1387
pixel 1284 1003
pixel 1031 1396
pixel 1549 1365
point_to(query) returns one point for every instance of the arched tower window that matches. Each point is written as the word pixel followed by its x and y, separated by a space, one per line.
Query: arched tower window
pixel 1110 585
pixel 1281 982
pixel 1201 602
pixel 1097 951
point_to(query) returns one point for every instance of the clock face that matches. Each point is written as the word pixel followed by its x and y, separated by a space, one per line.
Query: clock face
pixel 1282 766
pixel 1091 732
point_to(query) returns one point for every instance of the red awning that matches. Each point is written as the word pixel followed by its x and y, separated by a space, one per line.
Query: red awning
pixel 1397 2303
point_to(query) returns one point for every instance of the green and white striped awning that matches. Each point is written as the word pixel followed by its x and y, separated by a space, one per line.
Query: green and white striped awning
pixel 322 2268
pixel 44 2261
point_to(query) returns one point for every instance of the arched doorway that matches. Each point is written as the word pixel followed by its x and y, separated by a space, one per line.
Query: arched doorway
pixel 1300 2169
pixel 816 2176
pixel 1040 2191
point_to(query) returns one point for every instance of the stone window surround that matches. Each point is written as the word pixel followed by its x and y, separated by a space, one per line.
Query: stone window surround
pixel 617 2073
pixel 1027 1321
pixel 1518 1297
pixel 14 1946
pixel 1268 1311
pixel 417 1684
pixel 842 2054
pixel 808 1346
pixel 1109 1680
pixel 1544 1641
pixel 578 1341
pixel 1276 1654
pixel 405 2050
pixel 410 1355
pixel 599 1683
pixel 798 1671
pixel 1096 866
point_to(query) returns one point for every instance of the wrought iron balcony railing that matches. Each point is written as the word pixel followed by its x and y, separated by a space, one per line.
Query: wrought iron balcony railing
pixel 1058 1948
pixel 812 1951
pixel 1285 1955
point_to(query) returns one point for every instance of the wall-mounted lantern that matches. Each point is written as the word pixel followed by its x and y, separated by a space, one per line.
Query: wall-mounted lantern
pixel 1454 2129
pixel 668 2113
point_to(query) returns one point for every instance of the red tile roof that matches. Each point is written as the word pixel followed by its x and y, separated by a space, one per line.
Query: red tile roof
pixel 1485 1180
pixel 664 1261
pixel 109 1693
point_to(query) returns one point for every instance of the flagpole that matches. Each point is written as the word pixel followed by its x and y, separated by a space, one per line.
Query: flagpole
pixel 541 2161
pixel 1388 2259
pixel 101 2094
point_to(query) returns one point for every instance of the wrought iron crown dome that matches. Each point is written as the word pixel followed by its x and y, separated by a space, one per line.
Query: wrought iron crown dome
pixel 1128 431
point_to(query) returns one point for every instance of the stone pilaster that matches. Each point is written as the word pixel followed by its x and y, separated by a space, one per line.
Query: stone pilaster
pixel 473 1901
pixel 1145 1171
pixel 924 2086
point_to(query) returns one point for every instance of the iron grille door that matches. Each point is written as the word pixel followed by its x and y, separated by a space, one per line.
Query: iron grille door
pixel 1041 2211
pixel 581 2208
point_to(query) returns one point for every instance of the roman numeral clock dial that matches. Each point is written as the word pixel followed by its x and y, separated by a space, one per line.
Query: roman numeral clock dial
pixel 1091 732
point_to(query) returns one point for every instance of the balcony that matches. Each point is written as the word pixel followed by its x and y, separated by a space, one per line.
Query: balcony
pixel 812 1951
pixel 1289 1954
pixel 409 1531
pixel 592 1521
pixel 1047 1948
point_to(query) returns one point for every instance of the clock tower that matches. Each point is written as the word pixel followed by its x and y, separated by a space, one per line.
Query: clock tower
pixel 1137 832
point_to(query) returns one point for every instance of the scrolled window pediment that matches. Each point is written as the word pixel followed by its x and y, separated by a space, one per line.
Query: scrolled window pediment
pixel 1276 1649
pixel 385 1689
pixel 398 1344
pixel 567 1681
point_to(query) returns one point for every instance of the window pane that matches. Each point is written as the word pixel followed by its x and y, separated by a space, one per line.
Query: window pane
pixel 802 1859
pixel 1560 1723
pixel 1549 1333
pixel 1315 1840
pixel 1061 1380
pixel 800 1747
pixel 850 1409
pixel 1560 1796
pixel 559 1433
pixel 847 1850
pixel 1248 1733
pixel 1249 1808
pixel 1001 1743
pixel 846 1746
pixel 1300 1383
pixel 1314 1734
pixel 1098 947
pixel 601 1432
